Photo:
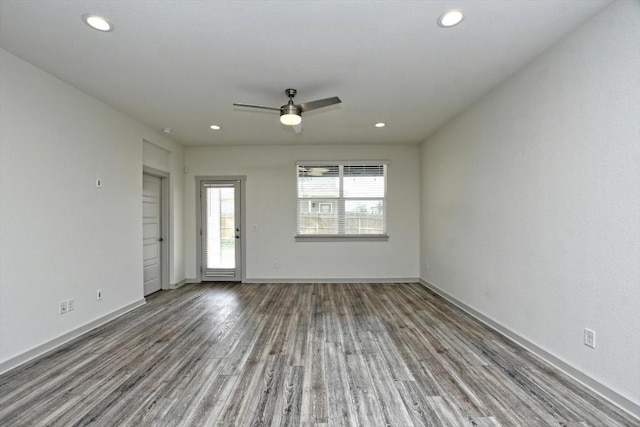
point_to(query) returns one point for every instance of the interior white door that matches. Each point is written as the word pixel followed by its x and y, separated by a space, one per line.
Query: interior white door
pixel 151 233
pixel 220 229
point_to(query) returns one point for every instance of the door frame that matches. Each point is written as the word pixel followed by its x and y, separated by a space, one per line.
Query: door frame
pixel 165 230
pixel 241 179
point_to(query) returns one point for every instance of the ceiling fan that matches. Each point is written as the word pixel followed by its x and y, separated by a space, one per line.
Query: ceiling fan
pixel 290 113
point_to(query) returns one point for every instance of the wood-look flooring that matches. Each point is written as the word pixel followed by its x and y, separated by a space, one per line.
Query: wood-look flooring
pixel 296 355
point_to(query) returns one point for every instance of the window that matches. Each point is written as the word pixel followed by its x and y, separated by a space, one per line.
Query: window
pixel 342 199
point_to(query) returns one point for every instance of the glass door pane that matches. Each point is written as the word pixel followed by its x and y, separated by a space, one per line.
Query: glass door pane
pixel 220 219
pixel 220 230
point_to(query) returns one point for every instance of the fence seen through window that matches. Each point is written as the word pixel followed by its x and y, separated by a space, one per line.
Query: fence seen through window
pixel 341 199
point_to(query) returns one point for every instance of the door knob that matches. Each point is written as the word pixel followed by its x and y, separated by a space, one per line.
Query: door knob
pixel 160 239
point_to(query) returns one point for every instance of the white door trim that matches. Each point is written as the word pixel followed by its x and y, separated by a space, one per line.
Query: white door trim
pixel 165 222
pixel 242 179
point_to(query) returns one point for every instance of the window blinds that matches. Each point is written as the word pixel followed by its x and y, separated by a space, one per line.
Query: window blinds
pixel 341 199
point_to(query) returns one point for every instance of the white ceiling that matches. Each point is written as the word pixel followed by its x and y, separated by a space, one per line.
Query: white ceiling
pixel 180 64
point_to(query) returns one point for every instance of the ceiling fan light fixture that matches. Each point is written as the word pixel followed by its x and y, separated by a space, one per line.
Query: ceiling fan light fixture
pixel 290 119
pixel 290 115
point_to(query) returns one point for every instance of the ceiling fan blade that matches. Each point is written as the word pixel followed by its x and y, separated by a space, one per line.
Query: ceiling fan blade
pixel 297 128
pixel 263 107
pixel 307 106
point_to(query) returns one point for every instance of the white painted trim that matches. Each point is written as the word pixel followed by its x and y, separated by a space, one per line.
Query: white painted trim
pixel 178 284
pixel 341 238
pixel 332 280
pixel 242 179
pixel 342 162
pixel 192 280
pixel 154 172
pixel 165 224
pixel 605 392
pixel 53 344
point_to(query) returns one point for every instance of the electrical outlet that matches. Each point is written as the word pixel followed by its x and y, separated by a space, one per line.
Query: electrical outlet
pixel 589 338
pixel 71 304
pixel 275 265
pixel 98 183
pixel 99 294
pixel 62 307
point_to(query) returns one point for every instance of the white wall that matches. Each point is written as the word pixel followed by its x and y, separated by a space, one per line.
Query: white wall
pixel 271 206
pixel 531 201
pixel 61 237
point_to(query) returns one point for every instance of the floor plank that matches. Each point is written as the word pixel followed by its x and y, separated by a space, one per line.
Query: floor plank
pixel 320 354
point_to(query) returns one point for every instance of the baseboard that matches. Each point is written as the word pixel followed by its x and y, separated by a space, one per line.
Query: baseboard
pixel 597 387
pixel 29 355
pixel 333 280
pixel 191 280
pixel 178 284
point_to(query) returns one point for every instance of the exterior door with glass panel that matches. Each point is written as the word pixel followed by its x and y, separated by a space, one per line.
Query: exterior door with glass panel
pixel 221 251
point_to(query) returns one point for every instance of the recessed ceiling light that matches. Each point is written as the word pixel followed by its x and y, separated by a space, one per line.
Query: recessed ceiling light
pixel 97 22
pixel 167 131
pixel 380 125
pixel 450 18
pixel 215 127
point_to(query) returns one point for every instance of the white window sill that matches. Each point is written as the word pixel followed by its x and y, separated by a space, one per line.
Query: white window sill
pixel 342 238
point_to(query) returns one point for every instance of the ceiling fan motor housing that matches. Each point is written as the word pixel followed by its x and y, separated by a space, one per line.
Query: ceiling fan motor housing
pixel 290 108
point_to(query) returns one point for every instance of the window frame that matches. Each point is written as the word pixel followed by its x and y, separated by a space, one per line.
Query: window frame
pixel 341 199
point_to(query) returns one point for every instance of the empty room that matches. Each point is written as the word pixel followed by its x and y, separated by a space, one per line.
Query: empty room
pixel 320 213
